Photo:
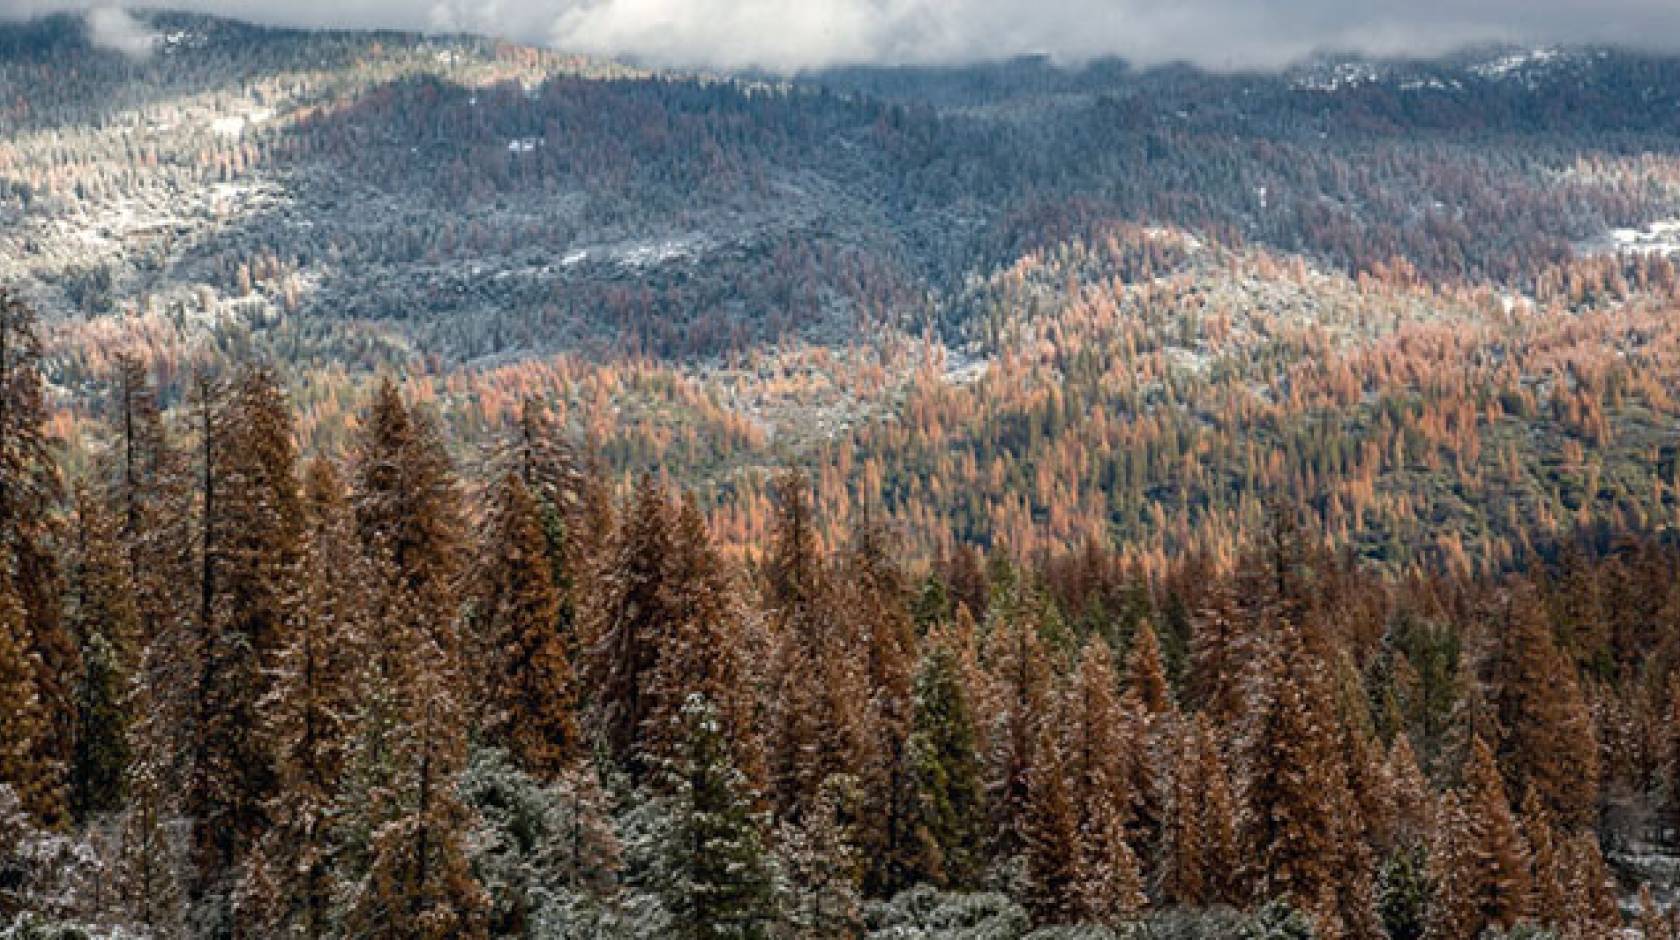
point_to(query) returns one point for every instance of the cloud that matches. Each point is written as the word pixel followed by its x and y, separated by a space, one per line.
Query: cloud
pixel 794 34
pixel 111 27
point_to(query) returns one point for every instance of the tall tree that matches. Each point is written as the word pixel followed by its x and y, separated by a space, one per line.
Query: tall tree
pixel 625 620
pixel 1500 880
pixel 1294 788
pixel 1549 741
pixel 106 621
pixel 711 870
pixel 254 534
pixel 307 715
pixel 30 490
pixel 945 767
pixel 529 691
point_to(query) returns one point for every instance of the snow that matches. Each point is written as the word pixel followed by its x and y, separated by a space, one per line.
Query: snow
pixel 1658 238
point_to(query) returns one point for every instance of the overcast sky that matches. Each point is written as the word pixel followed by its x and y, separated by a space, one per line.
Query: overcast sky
pixel 793 34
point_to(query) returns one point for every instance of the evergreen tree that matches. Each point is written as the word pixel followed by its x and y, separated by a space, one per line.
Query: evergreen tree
pixel 306 722
pixel 1294 790
pixel 701 651
pixel 948 801
pixel 1499 858
pixel 625 620
pixel 106 621
pixel 1020 676
pixel 1403 894
pixel 529 694
pixel 417 883
pixel 1146 675
pixel 1549 740
pixel 1050 834
pixel 41 666
pixel 254 530
pixel 711 869
pixel 1454 911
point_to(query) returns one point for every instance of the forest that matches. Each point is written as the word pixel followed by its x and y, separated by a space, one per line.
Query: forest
pixel 379 694
pixel 456 489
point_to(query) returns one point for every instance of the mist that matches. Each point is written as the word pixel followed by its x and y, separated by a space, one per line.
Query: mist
pixel 788 36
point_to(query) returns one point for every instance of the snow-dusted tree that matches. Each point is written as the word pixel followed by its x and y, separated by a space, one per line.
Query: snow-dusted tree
pixel 544 850
pixel 253 522
pixel 1501 874
pixel 106 621
pixel 1020 678
pixel 1050 830
pixel 527 688
pixel 819 706
pixel 38 669
pixel 1549 741
pixel 701 651
pixel 708 866
pixel 947 809
pixel 417 883
pixel 1294 789
pixel 306 722
pixel 625 618
pixel 819 868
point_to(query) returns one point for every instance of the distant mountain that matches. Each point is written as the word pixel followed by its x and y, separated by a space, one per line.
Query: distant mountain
pixel 745 269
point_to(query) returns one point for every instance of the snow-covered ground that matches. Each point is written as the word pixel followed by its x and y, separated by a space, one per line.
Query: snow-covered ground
pixel 1657 238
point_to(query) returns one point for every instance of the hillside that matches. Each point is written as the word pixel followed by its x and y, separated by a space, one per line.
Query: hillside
pixel 720 274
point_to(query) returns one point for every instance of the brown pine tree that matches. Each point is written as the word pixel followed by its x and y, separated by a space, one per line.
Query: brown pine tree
pixel 1549 741
pixel 625 618
pixel 1051 838
pixel 253 524
pixel 1547 872
pixel 30 490
pixel 1019 679
pixel 291 883
pixel 528 689
pixel 1502 888
pixel 1146 675
pixel 1454 912
pixel 1294 788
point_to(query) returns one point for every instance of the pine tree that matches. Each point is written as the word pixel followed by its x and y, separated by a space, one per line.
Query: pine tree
pixel 1500 860
pixel 625 621
pixel 945 768
pixel 878 602
pixel 106 621
pixel 306 716
pixel 1020 676
pixel 1217 658
pixel 1050 837
pixel 711 871
pixel 253 535
pixel 819 706
pixel 1454 907
pixel 1294 790
pixel 529 693
pixel 1146 676
pixel 820 868
pixel 417 883
pixel 1110 885
pixel 408 511
pixel 20 702
pixel 1546 869
pixel 30 490
pixel 701 651
pixel 1549 738
pixel 1413 801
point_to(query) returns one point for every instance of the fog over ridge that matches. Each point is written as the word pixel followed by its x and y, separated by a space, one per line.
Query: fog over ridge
pixel 788 35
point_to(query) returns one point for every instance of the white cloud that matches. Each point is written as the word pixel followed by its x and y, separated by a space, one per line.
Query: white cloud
pixel 792 34
pixel 111 27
